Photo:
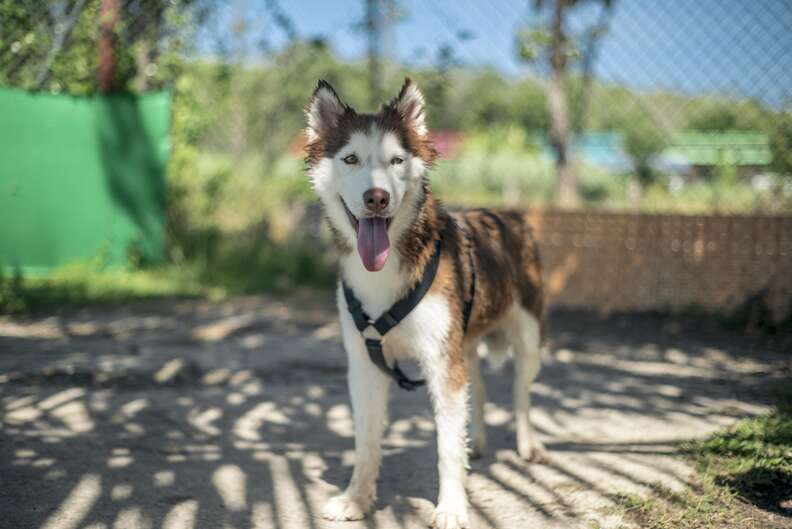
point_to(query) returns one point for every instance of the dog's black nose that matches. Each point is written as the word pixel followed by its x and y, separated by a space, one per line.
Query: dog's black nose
pixel 376 199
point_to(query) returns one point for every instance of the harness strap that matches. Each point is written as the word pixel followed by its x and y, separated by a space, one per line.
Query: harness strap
pixel 391 317
pixel 374 348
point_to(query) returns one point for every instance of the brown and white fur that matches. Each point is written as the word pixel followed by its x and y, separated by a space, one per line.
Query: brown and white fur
pixel 392 153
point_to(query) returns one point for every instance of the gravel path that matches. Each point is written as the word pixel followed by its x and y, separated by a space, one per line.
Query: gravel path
pixel 234 415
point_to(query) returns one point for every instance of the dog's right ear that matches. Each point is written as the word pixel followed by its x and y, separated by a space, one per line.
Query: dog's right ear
pixel 324 111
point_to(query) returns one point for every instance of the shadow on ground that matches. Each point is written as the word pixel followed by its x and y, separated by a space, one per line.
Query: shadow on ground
pixel 191 414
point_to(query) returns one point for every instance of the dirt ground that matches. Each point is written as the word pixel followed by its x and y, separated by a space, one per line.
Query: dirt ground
pixel 234 415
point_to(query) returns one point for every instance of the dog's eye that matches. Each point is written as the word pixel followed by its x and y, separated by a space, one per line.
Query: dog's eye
pixel 352 159
pixel 396 160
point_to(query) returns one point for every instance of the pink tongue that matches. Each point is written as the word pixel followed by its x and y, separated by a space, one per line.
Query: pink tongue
pixel 373 243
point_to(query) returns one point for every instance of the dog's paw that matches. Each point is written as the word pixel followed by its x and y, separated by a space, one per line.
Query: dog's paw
pixel 533 452
pixel 343 508
pixel 448 517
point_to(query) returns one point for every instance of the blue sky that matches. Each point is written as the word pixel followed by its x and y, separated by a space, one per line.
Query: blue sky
pixel 734 47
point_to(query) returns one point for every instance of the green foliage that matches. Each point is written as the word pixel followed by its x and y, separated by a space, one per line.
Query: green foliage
pixel 763 443
pixel 239 222
pixel 506 166
pixel 73 70
pixel 480 98
pixel 714 115
pixel 12 292
pixel 30 30
pixel 703 197
pixel 780 134
pixel 643 141
pixel 531 42
pixel 267 266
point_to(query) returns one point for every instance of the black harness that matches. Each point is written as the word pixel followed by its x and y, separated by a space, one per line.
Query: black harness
pixel 391 317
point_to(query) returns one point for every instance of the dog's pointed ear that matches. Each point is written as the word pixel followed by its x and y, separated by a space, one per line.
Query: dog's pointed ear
pixel 410 105
pixel 324 111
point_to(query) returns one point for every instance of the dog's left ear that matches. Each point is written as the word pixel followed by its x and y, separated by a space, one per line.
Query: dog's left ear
pixel 410 106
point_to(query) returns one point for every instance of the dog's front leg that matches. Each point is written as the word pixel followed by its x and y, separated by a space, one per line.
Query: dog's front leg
pixel 368 389
pixel 447 381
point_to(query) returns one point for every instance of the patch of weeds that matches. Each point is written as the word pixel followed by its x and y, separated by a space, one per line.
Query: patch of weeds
pixel 753 458
pixel 704 506
pixel 744 478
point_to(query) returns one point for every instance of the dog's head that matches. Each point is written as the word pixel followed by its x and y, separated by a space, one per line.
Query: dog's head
pixel 368 168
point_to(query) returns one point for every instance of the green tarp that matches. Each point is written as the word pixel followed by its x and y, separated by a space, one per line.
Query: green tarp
pixel 81 178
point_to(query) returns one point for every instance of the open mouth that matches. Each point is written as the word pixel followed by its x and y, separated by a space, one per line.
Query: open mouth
pixel 373 243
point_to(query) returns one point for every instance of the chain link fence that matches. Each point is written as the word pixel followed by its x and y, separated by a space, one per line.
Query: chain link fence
pixel 647 87
pixel 672 107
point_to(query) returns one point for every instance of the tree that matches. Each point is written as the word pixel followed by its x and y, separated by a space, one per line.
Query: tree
pixel 379 17
pixel 108 20
pixel 84 46
pixel 566 191
pixel 560 48
pixel 780 133
pixel 589 58
pixel 373 24
pixel 643 141
pixel 716 115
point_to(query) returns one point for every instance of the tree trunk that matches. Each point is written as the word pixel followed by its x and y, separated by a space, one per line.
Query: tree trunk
pixel 374 31
pixel 142 62
pixel 589 58
pixel 566 188
pixel 108 18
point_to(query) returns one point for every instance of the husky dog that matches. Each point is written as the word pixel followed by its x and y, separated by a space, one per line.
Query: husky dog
pixel 370 172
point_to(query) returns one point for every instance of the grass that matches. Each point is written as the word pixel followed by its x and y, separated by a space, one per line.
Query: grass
pixel 744 478
pixel 231 270
pixel 702 507
pixel 753 458
pixel 79 284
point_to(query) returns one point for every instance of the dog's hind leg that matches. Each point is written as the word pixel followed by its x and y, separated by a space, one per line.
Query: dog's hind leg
pixel 525 333
pixel 478 397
